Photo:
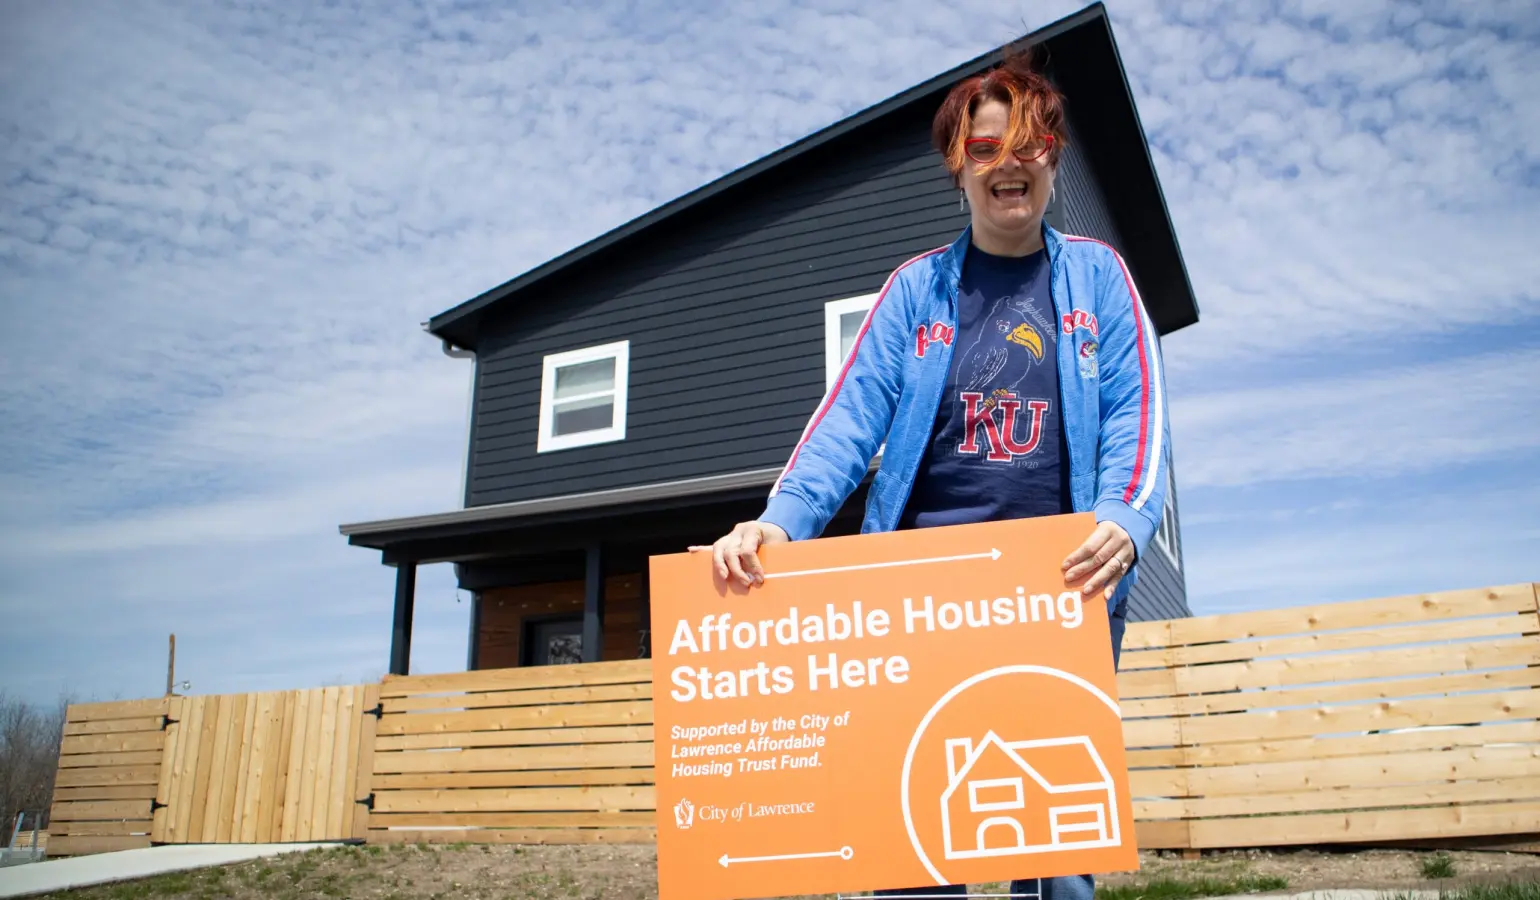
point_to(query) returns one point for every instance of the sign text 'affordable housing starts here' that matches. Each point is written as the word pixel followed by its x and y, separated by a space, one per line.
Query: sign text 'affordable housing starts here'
pixel 888 710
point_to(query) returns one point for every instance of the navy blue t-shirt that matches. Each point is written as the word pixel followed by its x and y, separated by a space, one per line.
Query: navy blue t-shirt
pixel 997 448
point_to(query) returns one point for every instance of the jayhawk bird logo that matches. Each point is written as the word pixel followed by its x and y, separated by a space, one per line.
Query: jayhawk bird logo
pixel 986 359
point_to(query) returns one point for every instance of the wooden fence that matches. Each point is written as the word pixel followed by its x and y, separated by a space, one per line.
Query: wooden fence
pixel 1382 720
pixel 1407 718
pixel 109 764
pixel 552 754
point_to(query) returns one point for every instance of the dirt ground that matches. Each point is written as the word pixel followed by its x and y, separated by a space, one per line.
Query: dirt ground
pixel 483 872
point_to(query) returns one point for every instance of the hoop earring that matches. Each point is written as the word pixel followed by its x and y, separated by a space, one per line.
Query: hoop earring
pixel 1052 192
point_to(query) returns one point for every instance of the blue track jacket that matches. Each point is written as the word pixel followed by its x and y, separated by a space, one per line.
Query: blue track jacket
pixel 1110 383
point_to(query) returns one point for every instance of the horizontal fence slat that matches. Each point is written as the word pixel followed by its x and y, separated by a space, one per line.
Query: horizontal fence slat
pixel 1303 645
pixel 520 738
pixel 1339 798
pixel 1152 732
pixel 105 792
pixel 100 827
pixel 1268 673
pixel 531 697
pixel 1388 611
pixel 113 743
pixel 515 820
pixel 1208 704
pixel 1364 827
pixel 1334 747
pixel 92 760
pixel 517 836
pixel 1358 771
pixel 515 679
pixel 70 845
pixel 503 758
pixel 108 775
pixel 116 709
pixel 516 799
pixel 634 712
pixel 1388 714
pixel 537 778
pixel 80 810
pixel 1162 835
pixel 113 726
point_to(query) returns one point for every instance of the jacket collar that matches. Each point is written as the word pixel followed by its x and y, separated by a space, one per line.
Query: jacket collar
pixel 950 270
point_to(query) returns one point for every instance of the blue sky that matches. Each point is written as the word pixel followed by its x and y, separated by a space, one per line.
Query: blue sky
pixel 224 225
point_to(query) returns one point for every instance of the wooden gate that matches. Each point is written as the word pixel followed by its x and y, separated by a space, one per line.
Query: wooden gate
pixel 109 764
pixel 273 767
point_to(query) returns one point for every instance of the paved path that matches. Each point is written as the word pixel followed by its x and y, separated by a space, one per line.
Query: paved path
pixel 99 868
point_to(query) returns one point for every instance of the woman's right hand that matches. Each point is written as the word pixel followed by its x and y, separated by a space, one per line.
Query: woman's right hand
pixel 736 554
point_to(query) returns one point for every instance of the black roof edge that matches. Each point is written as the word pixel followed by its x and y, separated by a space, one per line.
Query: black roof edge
pixel 1148 159
pixel 443 324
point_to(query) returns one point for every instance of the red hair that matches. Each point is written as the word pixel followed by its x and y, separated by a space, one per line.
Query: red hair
pixel 1036 109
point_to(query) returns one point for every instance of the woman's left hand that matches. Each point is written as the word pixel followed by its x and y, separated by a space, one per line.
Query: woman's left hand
pixel 1105 556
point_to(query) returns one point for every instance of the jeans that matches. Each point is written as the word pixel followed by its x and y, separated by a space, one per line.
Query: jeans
pixel 1063 887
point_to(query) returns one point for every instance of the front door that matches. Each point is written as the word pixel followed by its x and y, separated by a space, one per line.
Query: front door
pixel 554 641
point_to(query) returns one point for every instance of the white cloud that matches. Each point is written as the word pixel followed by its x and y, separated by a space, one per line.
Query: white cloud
pixel 1368 425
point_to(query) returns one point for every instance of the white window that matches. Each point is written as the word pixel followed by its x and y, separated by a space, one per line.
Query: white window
pixel 1166 534
pixel 842 321
pixel 583 397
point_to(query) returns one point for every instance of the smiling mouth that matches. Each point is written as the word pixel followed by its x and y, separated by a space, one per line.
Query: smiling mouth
pixel 1009 190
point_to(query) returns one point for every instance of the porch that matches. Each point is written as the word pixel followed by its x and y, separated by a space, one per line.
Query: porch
pixel 563 580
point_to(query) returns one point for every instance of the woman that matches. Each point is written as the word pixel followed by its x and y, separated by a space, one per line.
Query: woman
pixel 1014 373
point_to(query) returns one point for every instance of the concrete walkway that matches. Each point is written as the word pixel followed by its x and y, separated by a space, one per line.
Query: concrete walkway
pixel 101 868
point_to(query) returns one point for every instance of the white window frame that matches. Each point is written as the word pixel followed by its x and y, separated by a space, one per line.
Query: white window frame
pixel 1165 535
pixel 833 360
pixel 620 351
pixel 833 311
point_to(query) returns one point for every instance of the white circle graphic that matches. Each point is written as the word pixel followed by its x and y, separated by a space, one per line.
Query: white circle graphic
pixel 914 742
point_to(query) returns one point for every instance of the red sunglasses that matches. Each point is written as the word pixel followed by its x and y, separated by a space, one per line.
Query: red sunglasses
pixel 987 150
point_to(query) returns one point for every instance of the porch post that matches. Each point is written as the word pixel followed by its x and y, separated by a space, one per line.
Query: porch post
pixel 593 605
pixel 473 652
pixel 401 629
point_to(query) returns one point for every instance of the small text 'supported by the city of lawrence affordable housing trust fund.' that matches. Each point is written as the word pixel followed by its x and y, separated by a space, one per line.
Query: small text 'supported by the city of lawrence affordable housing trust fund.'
pixel 887 710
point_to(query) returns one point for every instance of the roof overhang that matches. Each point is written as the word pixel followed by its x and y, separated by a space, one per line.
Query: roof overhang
pixel 547 524
pixel 379 534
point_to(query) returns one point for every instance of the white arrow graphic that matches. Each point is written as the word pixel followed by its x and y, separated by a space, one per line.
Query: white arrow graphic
pixel 992 554
pixel 842 853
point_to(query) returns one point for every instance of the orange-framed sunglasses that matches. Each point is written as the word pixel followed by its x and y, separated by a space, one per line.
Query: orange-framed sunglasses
pixel 987 150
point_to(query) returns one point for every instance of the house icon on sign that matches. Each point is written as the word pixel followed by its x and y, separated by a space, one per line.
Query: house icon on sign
pixel 1008 799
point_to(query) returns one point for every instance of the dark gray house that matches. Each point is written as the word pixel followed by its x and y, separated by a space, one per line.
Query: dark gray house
pixel 641 392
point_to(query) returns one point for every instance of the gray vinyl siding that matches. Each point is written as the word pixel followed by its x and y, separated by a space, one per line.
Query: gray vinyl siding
pixel 1160 592
pixel 725 315
pixel 1162 589
pixel 1086 211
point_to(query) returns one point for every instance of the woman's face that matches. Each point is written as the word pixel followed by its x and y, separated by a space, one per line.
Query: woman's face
pixel 1009 200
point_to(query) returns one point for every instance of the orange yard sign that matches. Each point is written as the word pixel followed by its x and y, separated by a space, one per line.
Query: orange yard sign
pixel 894 710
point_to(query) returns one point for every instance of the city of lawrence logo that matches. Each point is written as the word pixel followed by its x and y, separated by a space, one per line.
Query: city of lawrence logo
pixel 1000 432
pixel 684 814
